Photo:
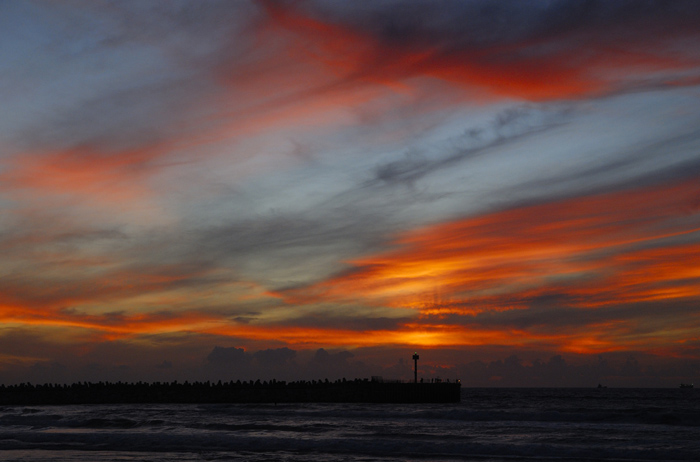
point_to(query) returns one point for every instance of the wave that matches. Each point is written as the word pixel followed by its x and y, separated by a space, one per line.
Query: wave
pixel 498 425
pixel 378 446
pixel 220 417
pixel 651 415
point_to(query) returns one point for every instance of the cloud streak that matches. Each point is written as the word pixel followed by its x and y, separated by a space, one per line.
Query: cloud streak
pixel 622 248
pixel 561 49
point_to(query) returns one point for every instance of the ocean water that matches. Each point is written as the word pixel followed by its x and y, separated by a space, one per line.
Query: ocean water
pixel 488 425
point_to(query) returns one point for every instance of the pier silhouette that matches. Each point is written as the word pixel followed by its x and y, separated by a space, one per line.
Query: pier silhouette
pixel 376 390
pixel 321 391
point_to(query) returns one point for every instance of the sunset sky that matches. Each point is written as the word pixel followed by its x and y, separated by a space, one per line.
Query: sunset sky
pixel 319 188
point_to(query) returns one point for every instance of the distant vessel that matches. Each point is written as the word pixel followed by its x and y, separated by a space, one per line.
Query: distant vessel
pixel 687 385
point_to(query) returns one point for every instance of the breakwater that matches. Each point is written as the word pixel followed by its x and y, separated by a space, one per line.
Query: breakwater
pixel 340 391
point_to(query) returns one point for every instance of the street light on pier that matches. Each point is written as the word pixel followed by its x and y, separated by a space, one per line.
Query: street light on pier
pixel 415 367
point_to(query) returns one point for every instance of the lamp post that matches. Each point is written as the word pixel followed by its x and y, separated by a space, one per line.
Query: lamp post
pixel 415 367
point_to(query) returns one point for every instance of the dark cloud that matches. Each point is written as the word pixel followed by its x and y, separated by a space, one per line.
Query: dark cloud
pixel 48 371
pixel 457 24
pixel 324 358
pixel 36 354
pixel 330 318
pixel 333 365
pixel 228 356
pixel 407 170
pixel 553 313
pixel 271 358
pixel 508 126
pixel 666 160
pixel 128 74
pixel 510 367
pixel 283 364
pixel 287 246
pixel 535 50
pixel 613 370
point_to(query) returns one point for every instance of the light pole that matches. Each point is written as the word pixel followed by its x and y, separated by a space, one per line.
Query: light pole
pixel 415 367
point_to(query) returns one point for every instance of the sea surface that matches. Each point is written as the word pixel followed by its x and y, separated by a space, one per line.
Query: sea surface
pixel 503 425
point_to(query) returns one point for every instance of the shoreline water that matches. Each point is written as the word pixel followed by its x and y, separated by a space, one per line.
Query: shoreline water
pixel 494 425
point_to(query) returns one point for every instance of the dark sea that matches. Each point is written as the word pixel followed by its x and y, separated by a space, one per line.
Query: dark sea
pixel 488 425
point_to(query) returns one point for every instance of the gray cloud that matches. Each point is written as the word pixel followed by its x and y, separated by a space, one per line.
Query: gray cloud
pixel 666 160
pixel 122 75
pixel 231 356
pixel 508 126
pixel 355 318
pixel 294 246
pixel 457 24
pixel 613 370
pixel 556 311
pixel 271 358
pixel 164 365
pixel 282 364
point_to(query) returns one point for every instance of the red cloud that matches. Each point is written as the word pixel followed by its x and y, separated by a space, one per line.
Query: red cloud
pixel 572 63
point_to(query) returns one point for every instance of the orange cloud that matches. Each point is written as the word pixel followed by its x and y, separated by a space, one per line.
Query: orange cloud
pixel 107 326
pixel 70 285
pixel 596 252
pixel 599 250
pixel 418 334
pixel 105 178
pixel 425 335
pixel 410 334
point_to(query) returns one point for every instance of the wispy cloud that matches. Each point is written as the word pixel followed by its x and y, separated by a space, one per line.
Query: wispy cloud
pixel 553 50
pixel 591 252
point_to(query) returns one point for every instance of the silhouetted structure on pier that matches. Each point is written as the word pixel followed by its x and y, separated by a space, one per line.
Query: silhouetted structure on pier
pixel 415 367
